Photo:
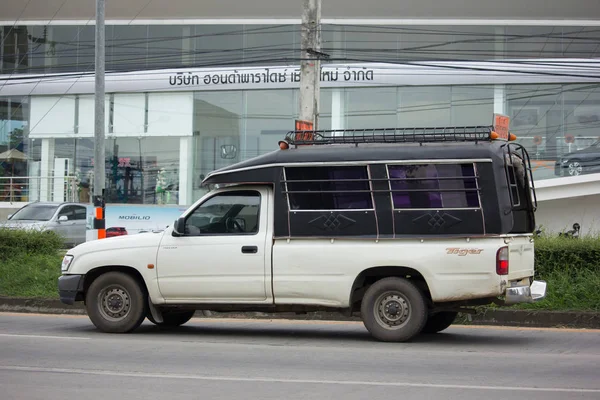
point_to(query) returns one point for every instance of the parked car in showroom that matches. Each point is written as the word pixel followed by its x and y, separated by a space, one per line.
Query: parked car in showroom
pixel 66 219
pixel 579 162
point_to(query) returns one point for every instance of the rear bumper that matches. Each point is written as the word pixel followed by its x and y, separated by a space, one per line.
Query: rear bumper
pixel 69 287
pixel 525 294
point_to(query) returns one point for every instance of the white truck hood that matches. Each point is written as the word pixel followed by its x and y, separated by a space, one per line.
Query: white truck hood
pixel 141 240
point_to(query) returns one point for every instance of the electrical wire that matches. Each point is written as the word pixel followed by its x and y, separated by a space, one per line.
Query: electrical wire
pixel 262 59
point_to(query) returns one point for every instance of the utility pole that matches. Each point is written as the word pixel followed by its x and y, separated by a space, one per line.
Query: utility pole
pixel 99 144
pixel 310 68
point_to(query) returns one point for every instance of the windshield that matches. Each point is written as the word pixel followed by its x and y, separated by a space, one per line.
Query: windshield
pixel 35 212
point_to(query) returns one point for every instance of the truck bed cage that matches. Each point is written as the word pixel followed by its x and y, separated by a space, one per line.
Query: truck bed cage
pixel 390 135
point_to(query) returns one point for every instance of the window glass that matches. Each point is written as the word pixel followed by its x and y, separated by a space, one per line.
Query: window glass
pixel 433 186
pixel 328 188
pixel 80 213
pixel 66 211
pixel 35 212
pixel 226 213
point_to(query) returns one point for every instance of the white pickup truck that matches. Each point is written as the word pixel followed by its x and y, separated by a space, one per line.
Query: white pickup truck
pixel 407 235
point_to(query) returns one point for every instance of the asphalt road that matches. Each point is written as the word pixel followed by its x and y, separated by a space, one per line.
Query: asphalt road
pixel 58 357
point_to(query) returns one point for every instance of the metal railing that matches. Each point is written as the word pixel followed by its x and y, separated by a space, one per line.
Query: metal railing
pixel 16 189
pixel 390 135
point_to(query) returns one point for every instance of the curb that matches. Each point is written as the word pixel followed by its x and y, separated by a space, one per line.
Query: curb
pixel 493 317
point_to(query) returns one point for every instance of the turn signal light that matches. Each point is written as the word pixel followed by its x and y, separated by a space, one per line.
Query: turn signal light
pixel 502 261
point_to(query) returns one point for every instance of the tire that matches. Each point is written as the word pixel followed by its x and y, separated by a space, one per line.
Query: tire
pixel 408 312
pixel 173 318
pixel 116 303
pixel 440 321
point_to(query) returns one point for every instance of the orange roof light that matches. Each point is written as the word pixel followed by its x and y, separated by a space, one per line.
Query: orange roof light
pixel 283 145
pixel 494 136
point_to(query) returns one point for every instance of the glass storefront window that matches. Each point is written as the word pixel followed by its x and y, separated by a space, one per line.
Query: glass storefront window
pixel 14 117
pixel 551 121
pixel 555 121
pixel 269 115
pixel 141 170
pixel 425 106
pixel 371 108
pixel 69 48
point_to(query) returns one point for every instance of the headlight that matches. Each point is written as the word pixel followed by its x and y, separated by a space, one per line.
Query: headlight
pixel 66 263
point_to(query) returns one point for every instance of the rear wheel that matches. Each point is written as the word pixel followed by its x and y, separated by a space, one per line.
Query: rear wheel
pixel 173 318
pixel 394 310
pixel 439 321
pixel 116 303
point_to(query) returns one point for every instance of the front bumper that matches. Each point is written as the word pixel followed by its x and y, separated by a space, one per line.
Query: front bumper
pixel 69 288
pixel 525 294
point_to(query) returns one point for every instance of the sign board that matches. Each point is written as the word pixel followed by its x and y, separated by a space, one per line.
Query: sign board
pixel 304 126
pixel 501 124
pixel 138 218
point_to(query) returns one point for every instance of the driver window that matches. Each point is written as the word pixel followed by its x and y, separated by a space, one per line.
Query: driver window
pixel 66 211
pixel 235 212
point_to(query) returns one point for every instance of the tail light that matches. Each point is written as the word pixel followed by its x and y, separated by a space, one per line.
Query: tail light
pixel 502 261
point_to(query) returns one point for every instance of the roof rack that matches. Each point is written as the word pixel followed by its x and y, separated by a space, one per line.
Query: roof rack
pixel 391 135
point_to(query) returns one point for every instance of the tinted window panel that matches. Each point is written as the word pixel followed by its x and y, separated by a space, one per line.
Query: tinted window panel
pixel 433 186
pixel 328 188
pixel 227 213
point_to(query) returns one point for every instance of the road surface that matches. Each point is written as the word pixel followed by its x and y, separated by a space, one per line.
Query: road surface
pixel 57 357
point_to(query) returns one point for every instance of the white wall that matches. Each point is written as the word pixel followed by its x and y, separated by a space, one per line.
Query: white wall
pixel 559 215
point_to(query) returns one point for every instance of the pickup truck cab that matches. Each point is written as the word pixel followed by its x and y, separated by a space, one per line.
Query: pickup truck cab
pixel 406 229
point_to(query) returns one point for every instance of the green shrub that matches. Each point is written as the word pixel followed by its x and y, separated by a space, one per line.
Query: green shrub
pixel 571 267
pixel 30 275
pixel 569 255
pixel 14 243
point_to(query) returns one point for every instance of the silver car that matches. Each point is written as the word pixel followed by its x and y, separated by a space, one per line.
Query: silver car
pixel 66 219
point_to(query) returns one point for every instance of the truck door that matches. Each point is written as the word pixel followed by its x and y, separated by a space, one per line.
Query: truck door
pixel 223 253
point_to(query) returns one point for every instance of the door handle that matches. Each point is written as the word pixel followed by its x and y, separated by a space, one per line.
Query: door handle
pixel 249 249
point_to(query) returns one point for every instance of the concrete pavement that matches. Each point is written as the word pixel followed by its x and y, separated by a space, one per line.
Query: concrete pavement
pixel 57 357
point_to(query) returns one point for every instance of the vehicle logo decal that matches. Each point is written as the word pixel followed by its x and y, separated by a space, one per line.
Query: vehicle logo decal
pixel 462 252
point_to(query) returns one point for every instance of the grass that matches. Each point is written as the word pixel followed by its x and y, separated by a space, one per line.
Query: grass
pixel 568 291
pixel 30 275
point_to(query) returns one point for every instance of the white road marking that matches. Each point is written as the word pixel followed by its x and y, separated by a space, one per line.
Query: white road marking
pixel 43 336
pixel 296 381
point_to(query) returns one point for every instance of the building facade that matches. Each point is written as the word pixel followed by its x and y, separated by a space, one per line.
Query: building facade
pixel 187 96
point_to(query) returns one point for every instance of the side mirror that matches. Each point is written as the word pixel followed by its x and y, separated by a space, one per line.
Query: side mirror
pixel 63 218
pixel 179 227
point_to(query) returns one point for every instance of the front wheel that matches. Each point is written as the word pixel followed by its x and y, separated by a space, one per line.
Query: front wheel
pixel 394 310
pixel 576 168
pixel 173 318
pixel 116 303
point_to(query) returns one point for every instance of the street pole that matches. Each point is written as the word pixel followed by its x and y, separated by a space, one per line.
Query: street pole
pixel 99 144
pixel 310 69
